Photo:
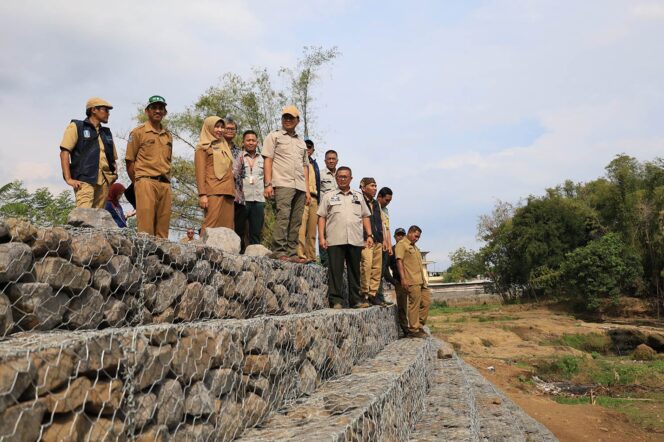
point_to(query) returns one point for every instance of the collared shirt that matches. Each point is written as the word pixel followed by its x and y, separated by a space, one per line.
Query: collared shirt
pixel 386 218
pixel 253 181
pixel 69 140
pixel 343 213
pixel 206 180
pixel 151 150
pixel 289 158
pixel 327 181
pixel 411 259
pixel 238 172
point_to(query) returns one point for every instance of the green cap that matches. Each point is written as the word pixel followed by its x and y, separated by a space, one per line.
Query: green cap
pixel 156 99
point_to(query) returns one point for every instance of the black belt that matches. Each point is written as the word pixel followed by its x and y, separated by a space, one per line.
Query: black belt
pixel 158 178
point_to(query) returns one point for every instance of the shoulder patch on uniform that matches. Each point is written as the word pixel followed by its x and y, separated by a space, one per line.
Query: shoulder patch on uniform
pixel 131 137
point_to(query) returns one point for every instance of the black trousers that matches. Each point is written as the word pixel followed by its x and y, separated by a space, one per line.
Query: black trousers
pixel 337 257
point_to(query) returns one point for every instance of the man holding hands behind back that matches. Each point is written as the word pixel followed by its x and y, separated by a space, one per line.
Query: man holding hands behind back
pixel 343 217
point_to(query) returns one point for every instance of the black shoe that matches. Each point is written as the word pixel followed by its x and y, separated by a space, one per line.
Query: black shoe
pixel 373 300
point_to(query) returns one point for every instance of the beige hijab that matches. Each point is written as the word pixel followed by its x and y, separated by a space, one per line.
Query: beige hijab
pixel 222 158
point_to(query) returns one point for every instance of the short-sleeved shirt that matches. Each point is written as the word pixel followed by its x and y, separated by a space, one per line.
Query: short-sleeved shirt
pixel 328 181
pixel 411 259
pixel 238 172
pixel 289 158
pixel 343 213
pixel 253 181
pixel 69 140
pixel 151 150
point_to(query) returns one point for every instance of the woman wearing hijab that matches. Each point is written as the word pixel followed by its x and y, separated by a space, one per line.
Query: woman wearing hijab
pixel 214 175
pixel 113 205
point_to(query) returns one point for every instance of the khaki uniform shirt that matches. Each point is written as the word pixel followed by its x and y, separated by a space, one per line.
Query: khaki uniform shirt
pixel 343 213
pixel 206 180
pixel 312 180
pixel 69 140
pixel 327 181
pixel 411 259
pixel 150 150
pixel 289 158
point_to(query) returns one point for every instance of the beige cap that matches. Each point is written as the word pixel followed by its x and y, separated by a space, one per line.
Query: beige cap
pixel 96 102
pixel 291 110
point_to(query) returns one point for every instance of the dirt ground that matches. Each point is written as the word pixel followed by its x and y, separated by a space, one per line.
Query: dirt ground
pixel 496 341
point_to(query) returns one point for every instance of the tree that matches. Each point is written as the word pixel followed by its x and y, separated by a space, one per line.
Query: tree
pixel 40 207
pixel 466 264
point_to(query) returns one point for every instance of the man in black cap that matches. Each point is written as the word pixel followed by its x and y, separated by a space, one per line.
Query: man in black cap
pixel 87 155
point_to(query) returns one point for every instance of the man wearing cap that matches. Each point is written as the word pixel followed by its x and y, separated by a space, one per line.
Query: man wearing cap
pixel 412 285
pixel 372 257
pixel 148 157
pixel 306 248
pixel 87 155
pixel 343 219
pixel 286 170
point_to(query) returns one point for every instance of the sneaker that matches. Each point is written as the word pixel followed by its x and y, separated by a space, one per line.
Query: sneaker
pixel 362 305
pixel 373 300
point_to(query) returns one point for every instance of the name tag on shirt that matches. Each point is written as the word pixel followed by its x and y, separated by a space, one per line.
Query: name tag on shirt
pixel 335 201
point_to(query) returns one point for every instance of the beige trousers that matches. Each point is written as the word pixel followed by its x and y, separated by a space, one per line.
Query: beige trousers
pixel 153 206
pixel 370 270
pixel 91 196
pixel 419 300
pixel 306 247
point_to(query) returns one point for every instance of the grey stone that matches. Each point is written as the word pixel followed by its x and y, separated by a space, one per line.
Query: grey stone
pixel 16 375
pixel 199 400
pixel 236 309
pixel 254 408
pixel 259 385
pixel 318 352
pixel 90 249
pixel 228 352
pixel 119 242
pixel 101 280
pixel 115 312
pixel 36 307
pixel 308 377
pixel 124 275
pixel 193 432
pixel 15 261
pixel 170 404
pixel 85 217
pixel 4 232
pixel 263 338
pixel 103 429
pixel 193 355
pixel 21 230
pixel 220 308
pixel 68 427
pixel 222 238
pixel 54 241
pixel 169 290
pixel 156 366
pixel 22 422
pixel 145 409
pixel 6 317
pixel 257 250
pixel 245 283
pixel 231 265
pixel 180 256
pixel 191 302
pixel 221 381
pixel 165 317
pixel 224 284
pixel 201 272
pixel 54 367
pixel 154 269
pixel 70 398
pixel 60 273
pixel 85 310
pixel 154 433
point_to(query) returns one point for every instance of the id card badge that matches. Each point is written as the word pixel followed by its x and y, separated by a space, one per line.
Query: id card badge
pixel 335 201
pixel 251 180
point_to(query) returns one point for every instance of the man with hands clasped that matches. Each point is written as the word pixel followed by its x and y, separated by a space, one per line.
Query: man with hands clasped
pixel 343 219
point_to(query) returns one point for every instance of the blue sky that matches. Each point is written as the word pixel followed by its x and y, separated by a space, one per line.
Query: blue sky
pixel 453 104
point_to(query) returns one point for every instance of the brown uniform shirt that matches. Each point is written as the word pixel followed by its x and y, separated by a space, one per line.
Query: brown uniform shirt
pixel 206 180
pixel 411 259
pixel 343 213
pixel 69 140
pixel 289 158
pixel 151 151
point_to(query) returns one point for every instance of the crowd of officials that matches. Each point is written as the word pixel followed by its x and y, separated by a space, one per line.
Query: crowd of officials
pixel 233 182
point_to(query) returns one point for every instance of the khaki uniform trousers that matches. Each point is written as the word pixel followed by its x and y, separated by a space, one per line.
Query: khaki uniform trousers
pixel 307 237
pixel 92 196
pixel 220 212
pixel 153 206
pixel 370 269
pixel 287 220
pixel 417 300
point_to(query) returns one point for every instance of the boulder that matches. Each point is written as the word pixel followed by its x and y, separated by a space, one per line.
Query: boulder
pixel 124 275
pixel 70 427
pixel 22 422
pixel 54 241
pixel 16 375
pixel 104 397
pixel 54 367
pixel 191 302
pixel 101 280
pixel 60 273
pixel 643 353
pixel 199 400
pixel 308 377
pixel 257 250
pixel 115 312
pixel 222 238
pixel 15 261
pixel 179 256
pixel 36 307
pixel 170 404
pixel 70 398
pixel 201 272
pixel 85 310
pixel 221 381
pixel 245 284
pixel 145 409
pixel 168 291
pixel 90 249
pixel 193 355
pixel 154 269
pixel 156 366
pixel 254 408
pixel 194 432
pixel 21 230
pixel 103 429
pixel 7 319
pixel 155 433
pixel 85 217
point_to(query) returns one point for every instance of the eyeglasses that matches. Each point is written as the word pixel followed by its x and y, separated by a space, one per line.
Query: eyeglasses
pixel 104 108
pixel 343 177
pixel 287 117
pixel 230 129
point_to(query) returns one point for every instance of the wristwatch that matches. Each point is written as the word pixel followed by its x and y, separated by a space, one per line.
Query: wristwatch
pixel 266 185
pixel 370 235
